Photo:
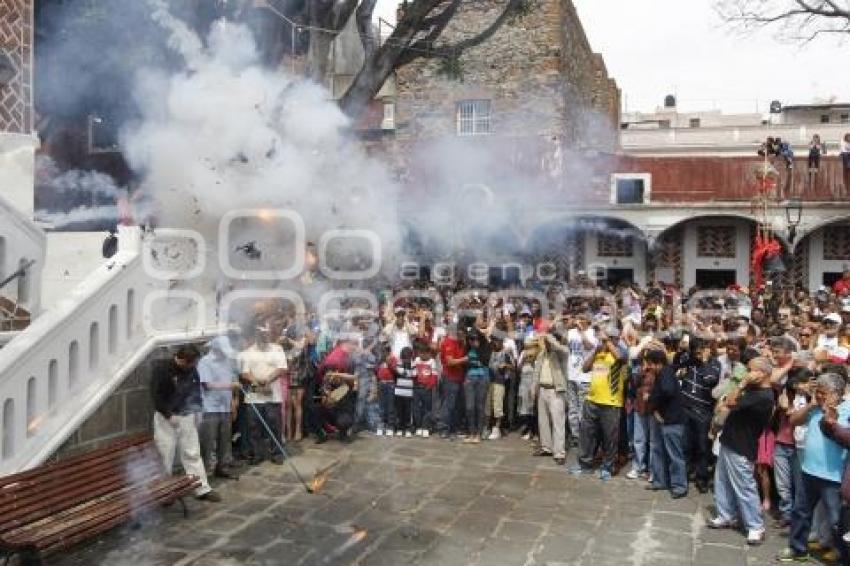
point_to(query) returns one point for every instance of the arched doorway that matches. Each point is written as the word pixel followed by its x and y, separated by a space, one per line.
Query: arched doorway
pixel 823 254
pixel 710 252
pixel 606 249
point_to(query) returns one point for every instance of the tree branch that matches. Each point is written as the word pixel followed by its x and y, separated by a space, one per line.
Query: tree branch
pixel 364 26
pixel 426 48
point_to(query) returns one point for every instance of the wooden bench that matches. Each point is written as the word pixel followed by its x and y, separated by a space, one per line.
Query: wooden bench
pixel 58 505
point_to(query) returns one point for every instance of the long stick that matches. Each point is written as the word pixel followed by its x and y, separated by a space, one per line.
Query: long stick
pixel 279 444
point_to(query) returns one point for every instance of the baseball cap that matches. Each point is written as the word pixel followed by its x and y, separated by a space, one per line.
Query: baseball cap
pixel 832 317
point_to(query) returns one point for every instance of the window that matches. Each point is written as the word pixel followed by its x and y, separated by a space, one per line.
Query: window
pixel 473 117
pixel 845 118
pixel 664 124
pixel 695 122
pixel 388 122
pixel 103 135
pixel 73 364
pixel 630 188
pixel 824 118
pixel 716 241
pixel 836 243
pixel 614 245
pixel 23 282
pixel 8 428
pixel 52 383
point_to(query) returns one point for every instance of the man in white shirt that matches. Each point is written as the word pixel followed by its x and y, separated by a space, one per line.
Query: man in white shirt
pixel 261 366
pixel 399 332
pixel 582 342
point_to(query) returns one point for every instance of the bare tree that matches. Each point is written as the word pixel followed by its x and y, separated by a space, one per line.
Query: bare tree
pixel 417 34
pixel 800 20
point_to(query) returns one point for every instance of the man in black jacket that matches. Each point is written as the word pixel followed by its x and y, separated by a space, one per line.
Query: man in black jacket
pixel 667 428
pixel 176 391
pixel 700 374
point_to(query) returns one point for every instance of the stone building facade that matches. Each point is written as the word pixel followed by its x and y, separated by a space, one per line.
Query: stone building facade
pixel 537 76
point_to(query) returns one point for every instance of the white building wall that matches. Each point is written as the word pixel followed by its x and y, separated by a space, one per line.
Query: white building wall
pixel 17 170
pixel 637 262
pixel 740 263
pixel 817 265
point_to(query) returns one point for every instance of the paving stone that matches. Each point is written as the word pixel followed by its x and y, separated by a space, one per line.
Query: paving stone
pixel 519 531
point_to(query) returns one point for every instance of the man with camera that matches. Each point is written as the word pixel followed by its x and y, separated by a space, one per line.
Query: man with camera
pixel 550 383
pixel 600 423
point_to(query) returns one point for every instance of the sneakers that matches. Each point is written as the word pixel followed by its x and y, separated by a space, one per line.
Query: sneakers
pixel 476 439
pixel 426 433
pixel 632 475
pixel 755 537
pixel 495 434
pixel 408 434
pixel 399 432
pixel 830 556
pixel 467 439
pixel 419 432
pixel 379 432
pixel 718 523
pixel 210 496
pixel 578 470
pixel 789 555
pixel 604 475
pixel 526 436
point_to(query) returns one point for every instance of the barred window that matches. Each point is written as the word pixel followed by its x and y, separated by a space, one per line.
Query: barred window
pixel 716 241
pixel 473 117
pixel 614 245
pixel 836 243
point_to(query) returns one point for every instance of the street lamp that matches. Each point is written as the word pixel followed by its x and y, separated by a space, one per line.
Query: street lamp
pixel 793 215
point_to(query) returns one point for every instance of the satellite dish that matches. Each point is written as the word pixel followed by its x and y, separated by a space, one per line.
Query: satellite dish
pixel 776 107
pixel 669 101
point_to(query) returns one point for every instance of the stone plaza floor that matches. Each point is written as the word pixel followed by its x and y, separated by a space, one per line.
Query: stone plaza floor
pixel 428 501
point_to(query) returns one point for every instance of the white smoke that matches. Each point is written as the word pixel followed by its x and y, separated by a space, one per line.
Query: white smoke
pixel 225 133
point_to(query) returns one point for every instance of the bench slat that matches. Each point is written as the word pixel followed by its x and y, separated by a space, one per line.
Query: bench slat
pixel 74 461
pixel 30 510
pixel 55 529
pixel 62 481
pixel 60 504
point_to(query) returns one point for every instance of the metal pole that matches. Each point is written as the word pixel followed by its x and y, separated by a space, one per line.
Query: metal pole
pixel 279 444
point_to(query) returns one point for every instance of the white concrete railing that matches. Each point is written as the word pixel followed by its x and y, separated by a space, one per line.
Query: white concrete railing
pixel 730 139
pixel 21 240
pixel 57 372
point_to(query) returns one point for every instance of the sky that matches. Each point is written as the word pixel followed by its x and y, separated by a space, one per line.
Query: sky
pixel 656 47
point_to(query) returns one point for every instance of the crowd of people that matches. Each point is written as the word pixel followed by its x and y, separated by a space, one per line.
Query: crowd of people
pixel 741 392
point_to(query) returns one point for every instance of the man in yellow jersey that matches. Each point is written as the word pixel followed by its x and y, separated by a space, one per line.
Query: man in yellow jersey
pixel 600 423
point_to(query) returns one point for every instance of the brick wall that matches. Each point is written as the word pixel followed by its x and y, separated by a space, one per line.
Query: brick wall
pixel 16 42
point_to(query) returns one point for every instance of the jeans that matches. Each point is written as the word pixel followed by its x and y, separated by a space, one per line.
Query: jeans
pixel 216 439
pixel 403 413
pixel 669 467
pixel 576 396
pixel 642 442
pixel 449 416
pixel 386 401
pixel 814 490
pixel 422 402
pixel 697 425
pixel 475 392
pixel 783 465
pixel 364 388
pixel 600 426
pixel 735 489
pixel 551 421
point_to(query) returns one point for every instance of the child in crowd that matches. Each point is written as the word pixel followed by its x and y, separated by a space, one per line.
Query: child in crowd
pixel 404 381
pixel 423 392
pixel 501 371
pixel 385 373
pixel 526 390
